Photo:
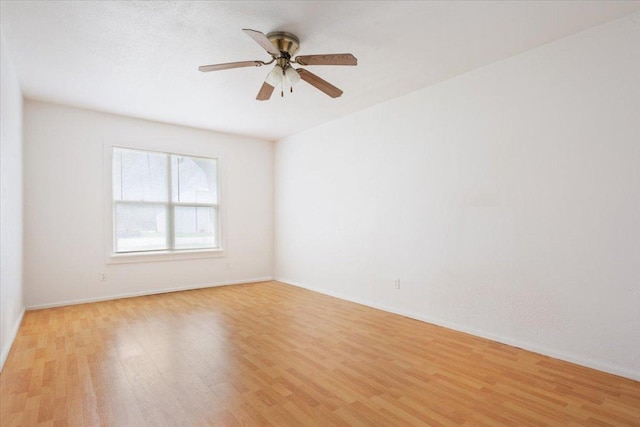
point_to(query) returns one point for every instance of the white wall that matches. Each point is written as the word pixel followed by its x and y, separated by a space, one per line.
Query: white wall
pixel 506 200
pixel 11 302
pixel 65 207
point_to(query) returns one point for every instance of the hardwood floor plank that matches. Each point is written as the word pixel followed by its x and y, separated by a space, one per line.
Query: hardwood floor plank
pixel 272 354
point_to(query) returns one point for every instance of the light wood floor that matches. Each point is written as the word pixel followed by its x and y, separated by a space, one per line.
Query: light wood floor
pixel 273 354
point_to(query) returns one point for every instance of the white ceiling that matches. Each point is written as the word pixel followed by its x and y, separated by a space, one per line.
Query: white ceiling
pixel 141 58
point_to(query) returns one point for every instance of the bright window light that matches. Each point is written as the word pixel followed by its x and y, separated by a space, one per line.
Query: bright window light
pixel 164 201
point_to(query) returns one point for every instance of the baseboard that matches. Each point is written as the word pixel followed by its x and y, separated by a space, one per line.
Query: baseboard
pixel 149 292
pixel 12 338
pixel 579 360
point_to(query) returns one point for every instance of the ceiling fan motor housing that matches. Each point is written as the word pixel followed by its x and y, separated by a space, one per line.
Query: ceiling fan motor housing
pixel 287 43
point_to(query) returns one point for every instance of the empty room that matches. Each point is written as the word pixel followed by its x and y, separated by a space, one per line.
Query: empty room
pixel 320 213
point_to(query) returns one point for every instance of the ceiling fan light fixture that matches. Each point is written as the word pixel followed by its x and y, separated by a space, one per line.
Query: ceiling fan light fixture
pixel 292 76
pixel 286 79
pixel 274 78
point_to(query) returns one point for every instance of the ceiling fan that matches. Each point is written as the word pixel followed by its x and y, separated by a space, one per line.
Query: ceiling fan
pixel 282 46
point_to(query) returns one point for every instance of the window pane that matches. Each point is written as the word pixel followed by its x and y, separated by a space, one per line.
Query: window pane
pixel 140 227
pixel 116 173
pixel 195 227
pixel 139 175
pixel 194 180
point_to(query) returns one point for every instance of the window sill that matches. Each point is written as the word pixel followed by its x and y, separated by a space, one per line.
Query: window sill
pixel 125 258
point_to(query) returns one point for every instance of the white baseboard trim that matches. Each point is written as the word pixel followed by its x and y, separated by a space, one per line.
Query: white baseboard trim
pixel 12 338
pixel 579 360
pixel 148 292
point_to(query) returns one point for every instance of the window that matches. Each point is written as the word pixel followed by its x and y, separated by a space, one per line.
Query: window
pixel 164 202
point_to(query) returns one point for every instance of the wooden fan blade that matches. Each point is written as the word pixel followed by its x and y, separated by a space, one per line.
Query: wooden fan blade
pixel 319 83
pixel 265 92
pixel 216 67
pixel 263 41
pixel 332 59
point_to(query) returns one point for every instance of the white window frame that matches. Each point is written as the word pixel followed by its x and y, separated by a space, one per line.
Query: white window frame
pixel 168 148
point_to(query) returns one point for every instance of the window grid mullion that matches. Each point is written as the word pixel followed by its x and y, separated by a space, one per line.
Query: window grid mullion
pixel 171 240
pixel 160 202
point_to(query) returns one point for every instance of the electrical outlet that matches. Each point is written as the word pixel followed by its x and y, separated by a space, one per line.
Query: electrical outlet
pixel 396 283
pixel 103 277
